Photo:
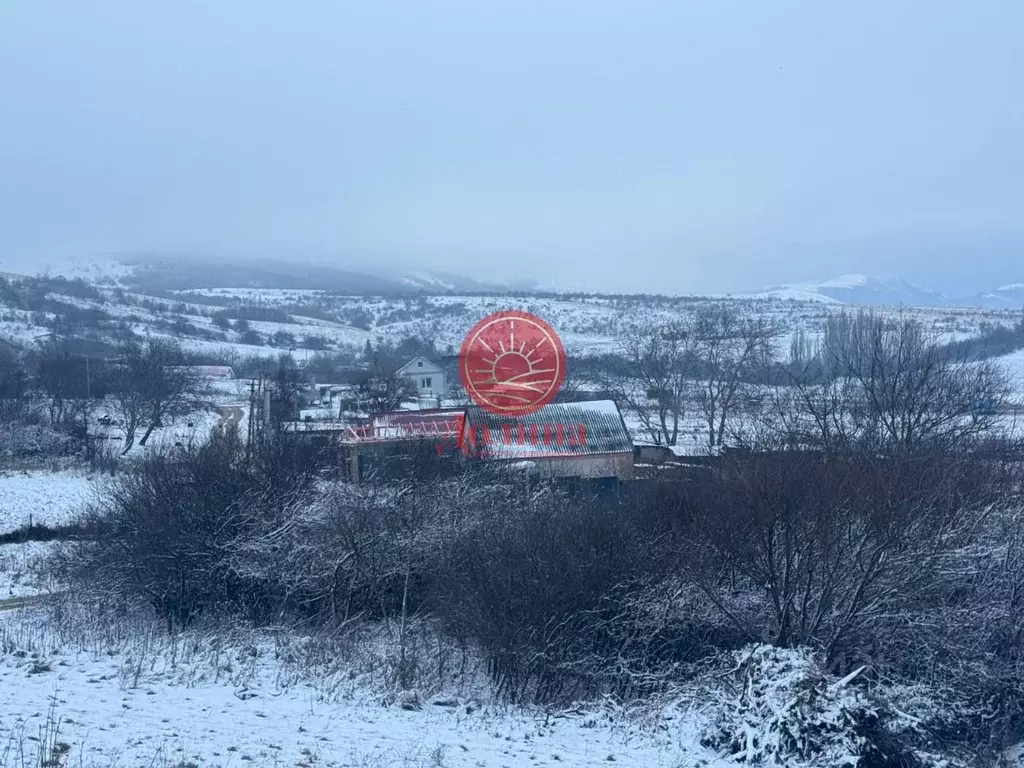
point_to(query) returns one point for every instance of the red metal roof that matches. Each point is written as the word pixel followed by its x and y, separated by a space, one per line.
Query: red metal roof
pixel 408 425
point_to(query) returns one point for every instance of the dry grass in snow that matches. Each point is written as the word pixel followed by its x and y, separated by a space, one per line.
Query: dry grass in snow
pixel 133 696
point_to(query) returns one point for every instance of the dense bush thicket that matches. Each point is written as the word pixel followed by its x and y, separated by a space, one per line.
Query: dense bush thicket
pixel 167 531
pixel 912 566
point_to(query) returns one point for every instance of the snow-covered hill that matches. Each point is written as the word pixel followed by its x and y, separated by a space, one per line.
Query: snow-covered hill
pixel 168 272
pixel 865 290
pixel 107 270
pixel 862 290
pixel 434 280
pixel 1009 296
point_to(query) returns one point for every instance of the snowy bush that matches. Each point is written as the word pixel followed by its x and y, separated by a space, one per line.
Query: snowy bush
pixel 784 710
pixel 36 440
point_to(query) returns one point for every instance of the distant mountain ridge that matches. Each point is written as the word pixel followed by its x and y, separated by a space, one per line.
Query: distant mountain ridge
pixel 432 279
pixel 173 272
pixel 1009 296
pixel 868 290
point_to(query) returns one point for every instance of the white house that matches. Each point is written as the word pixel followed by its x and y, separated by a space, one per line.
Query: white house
pixel 428 378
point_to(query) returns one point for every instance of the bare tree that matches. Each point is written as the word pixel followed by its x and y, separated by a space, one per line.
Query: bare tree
pixel 286 385
pixel 13 383
pixel 887 383
pixel 728 349
pixel 909 391
pixel 809 409
pixel 63 376
pixel 154 384
pixel 383 388
pixel 572 384
pixel 651 380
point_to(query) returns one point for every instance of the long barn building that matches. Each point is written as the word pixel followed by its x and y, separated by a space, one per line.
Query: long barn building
pixel 586 440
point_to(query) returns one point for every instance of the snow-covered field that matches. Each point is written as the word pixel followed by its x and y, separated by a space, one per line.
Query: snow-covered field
pixel 200 701
pixel 45 498
pixel 99 694
pixel 1013 364
pixel 55 498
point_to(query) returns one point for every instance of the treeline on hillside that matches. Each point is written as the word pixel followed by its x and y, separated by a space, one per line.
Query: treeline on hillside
pixel 879 524
pixel 46 301
pixel 868 377
pixel 992 341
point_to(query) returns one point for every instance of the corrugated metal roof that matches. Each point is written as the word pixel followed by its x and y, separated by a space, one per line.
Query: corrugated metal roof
pixel 560 429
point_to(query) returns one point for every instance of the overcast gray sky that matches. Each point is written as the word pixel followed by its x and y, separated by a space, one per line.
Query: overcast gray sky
pixel 630 145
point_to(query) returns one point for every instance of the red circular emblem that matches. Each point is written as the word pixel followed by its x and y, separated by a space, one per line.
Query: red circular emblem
pixel 512 363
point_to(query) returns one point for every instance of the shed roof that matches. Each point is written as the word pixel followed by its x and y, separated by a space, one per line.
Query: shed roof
pixel 556 430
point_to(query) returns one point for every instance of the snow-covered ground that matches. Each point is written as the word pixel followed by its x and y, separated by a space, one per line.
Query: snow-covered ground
pixel 45 498
pixel 55 498
pixel 200 701
pixel 20 572
pixel 1013 364
pixel 100 694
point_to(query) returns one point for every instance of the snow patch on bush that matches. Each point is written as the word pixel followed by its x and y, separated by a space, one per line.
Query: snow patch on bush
pixel 778 707
pixel 36 441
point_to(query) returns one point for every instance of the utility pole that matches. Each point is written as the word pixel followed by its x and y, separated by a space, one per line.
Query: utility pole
pixel 88 405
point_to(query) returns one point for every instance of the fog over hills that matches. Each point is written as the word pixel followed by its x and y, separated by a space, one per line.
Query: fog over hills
pixel 177 272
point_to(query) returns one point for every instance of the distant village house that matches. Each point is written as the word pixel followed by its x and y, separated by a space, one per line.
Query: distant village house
pixel 428 378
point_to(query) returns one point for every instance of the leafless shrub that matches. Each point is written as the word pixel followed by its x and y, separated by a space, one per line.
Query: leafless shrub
pixel 163 532
pixel 875 560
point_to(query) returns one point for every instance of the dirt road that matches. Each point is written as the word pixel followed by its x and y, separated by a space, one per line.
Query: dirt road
pixel 13 603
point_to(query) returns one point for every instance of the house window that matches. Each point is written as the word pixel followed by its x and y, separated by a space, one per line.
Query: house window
pixel 419 363
pixel 425 383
